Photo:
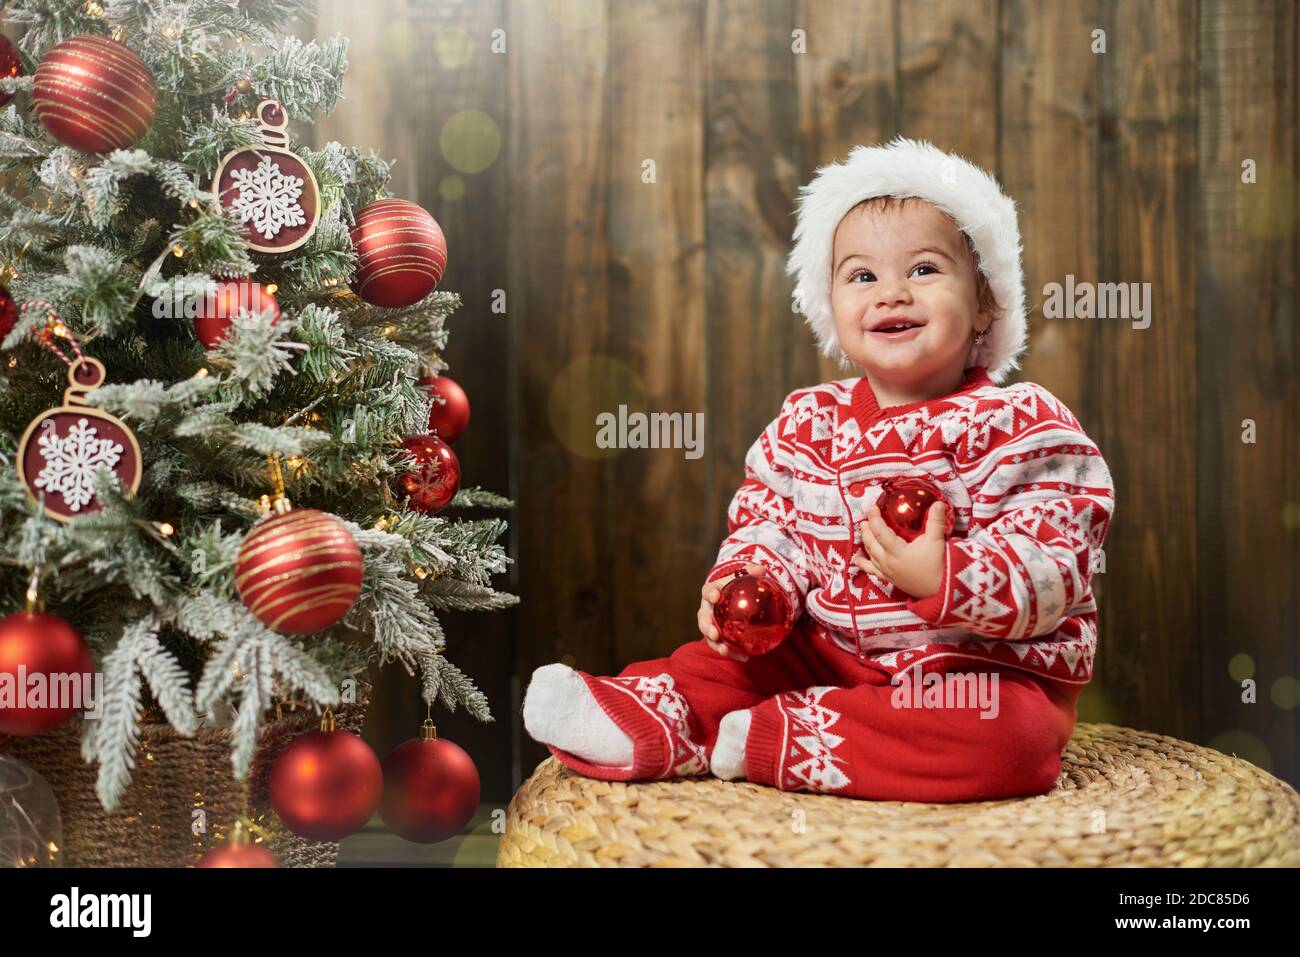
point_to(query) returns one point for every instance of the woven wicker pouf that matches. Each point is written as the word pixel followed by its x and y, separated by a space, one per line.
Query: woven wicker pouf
pixel 1124 798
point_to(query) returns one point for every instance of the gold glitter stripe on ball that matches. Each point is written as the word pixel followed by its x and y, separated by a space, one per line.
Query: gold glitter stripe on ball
pixel 74 74
pixel 344 600
pixel 265 567
pixel 287 526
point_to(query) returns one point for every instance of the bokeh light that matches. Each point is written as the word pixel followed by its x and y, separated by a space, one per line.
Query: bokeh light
pixel 586 387
pixel 1285 692
pixel 1241 666
pixel 470 141
pixel 1266 209
pixel 451 188
pixel 453 47
pixel 1244 745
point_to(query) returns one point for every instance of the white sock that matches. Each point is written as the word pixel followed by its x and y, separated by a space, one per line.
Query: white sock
pixel 560 710
pixel 728 759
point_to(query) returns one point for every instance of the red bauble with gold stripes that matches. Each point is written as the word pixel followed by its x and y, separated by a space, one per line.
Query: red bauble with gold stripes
pixel 94 94
pixel 299 572
pixel 401 253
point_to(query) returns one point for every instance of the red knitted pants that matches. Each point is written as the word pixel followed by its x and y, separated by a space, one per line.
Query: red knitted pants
pixel 823 721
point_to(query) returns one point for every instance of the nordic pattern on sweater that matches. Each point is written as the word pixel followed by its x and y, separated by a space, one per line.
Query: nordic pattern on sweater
pixel 1031 496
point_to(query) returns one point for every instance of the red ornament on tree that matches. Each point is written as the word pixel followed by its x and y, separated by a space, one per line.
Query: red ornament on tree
pixel 11 64
pixel 450 417
pixel 752 614
pixel 46 645
pixel 325 784
pixel 435 482
pixel 904 504
pixel 401 253
pixel 240 852
pixel 299 571
pixel 431 788
pixel 230 297
pixel 8 312
pixel 94 94
pixel 268 188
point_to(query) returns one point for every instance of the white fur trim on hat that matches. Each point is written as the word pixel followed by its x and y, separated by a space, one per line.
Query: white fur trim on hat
pixel 906 167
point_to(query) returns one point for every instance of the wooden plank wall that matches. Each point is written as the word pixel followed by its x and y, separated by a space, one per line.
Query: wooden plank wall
pixel 638 218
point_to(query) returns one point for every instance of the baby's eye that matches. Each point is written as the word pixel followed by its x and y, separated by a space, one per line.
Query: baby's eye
pixel 925 266
pixel 861 272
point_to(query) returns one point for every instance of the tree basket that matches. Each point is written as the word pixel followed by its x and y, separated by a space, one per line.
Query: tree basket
pixel 183 798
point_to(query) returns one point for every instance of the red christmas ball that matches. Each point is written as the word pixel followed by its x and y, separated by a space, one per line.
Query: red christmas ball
pixel 11 64
pixel 752 614
pixel 94 94
pixel 431 790
pixel 325 785
pixel 450 417
pixel 299 572
pixel 230 297
pixel 437 479
pixel 8 312
pixel 46 645
pixel 905 502
pixel 238 855
pixel 401 253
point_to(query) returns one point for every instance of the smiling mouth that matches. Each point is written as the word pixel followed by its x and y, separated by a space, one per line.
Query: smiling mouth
pixel 898 328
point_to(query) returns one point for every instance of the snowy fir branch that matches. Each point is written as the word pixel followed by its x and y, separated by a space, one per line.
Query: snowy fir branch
pixel 121 244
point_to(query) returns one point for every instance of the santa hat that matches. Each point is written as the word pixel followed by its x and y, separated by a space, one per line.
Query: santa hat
pixel 968 194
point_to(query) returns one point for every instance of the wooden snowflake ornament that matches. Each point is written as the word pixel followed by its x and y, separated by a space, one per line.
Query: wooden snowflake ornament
pixel 64 449
pixel 272 192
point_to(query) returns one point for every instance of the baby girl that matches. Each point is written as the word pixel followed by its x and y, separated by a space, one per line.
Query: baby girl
pixel 907 261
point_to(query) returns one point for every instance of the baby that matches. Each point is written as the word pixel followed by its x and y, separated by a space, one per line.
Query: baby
pixel 908 263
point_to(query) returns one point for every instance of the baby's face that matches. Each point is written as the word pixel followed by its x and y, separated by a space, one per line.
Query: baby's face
pixel 908 263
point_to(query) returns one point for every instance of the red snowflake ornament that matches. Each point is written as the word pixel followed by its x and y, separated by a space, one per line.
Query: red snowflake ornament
pixel 64 449
pixel 270 190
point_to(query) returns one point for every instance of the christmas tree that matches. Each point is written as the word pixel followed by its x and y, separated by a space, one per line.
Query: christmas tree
pixel 269 330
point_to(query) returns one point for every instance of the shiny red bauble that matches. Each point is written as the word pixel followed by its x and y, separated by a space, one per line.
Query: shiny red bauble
pixel 299 572
pixel 431 790
pixel 8 313
pixel 238 855
pixel 904 504
pixel 94 94
pixel 325 785
pixel 752 614
pixel 45 645
pixel 401 253
pixel 230 297
pixel 433 484
pixel 449 417
pixel 11 64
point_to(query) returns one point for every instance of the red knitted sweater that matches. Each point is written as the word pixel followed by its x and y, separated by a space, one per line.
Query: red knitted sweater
pixel 1031 497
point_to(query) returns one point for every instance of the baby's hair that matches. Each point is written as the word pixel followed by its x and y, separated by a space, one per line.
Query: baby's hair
pixel 983 291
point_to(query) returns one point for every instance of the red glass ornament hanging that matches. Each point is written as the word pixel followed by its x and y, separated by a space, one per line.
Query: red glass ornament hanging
pixel 401 253
pixel 904 504
pixel 325 784
pixel 11 64
pixel 35 643
pixel 271 191
pixel 217 310
pixel 752 614
pixel 435 482
pixel 299 571
pixel 239 852
pixel 8 313
pixel 431 788
pixel 450 417
pixel 94 94
pixel 63 449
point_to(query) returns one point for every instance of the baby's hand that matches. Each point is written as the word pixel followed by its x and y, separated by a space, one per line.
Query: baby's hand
pixel 710 594
pixel 916 566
